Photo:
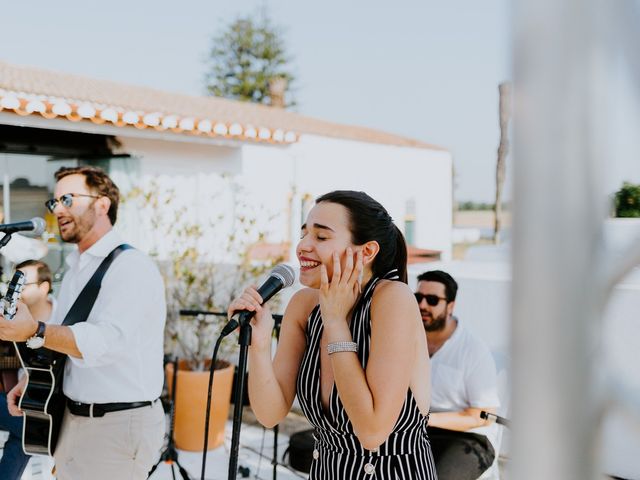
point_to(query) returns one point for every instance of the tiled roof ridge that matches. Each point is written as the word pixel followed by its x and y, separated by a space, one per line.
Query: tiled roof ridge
pixel 147 107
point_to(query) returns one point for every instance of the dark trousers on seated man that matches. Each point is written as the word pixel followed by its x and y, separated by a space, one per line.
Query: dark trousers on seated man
pixel 14 460
pixel 460 455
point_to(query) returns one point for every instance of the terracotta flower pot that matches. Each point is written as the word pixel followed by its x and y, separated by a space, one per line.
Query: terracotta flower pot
pixel 191 402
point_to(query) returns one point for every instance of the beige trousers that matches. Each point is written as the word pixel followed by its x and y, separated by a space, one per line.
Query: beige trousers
pixel 118 446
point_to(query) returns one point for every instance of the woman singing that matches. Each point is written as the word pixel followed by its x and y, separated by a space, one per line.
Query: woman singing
pixel 352 347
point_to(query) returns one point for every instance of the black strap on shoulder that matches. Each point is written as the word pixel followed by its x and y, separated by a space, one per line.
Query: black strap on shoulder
pixel 81 308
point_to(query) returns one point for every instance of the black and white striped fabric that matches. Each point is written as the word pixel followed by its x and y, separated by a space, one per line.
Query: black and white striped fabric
pixel 338 455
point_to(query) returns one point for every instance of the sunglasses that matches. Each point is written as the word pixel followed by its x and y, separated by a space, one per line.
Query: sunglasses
pixel 432 300
pixel 65 200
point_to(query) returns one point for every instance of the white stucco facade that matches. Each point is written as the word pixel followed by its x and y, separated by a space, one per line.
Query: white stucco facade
pixel 395 176
pixel 212 181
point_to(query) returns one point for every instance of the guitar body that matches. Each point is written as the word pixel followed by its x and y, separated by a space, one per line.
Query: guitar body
pixel 42 401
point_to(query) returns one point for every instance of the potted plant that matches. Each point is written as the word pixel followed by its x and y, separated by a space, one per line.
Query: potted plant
pixel 199 279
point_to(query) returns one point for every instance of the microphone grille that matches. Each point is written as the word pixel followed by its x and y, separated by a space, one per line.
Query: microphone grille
pixel 285 273
pixel 39 226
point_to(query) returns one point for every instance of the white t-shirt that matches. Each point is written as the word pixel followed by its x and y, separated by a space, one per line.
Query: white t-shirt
pixel 21 248
pixel 122 340
pixel 463 375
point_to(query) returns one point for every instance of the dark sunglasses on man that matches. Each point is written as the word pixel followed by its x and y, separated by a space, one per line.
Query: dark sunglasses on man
pixel 432 300
pixel 65 200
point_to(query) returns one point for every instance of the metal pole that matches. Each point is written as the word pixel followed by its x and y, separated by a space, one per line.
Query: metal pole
pixel 295 222
pixel 559 209
pixel 6 193
pixel 244 339
pixel 5 264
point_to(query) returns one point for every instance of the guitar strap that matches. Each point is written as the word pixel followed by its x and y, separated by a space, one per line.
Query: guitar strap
pixel 81 308
pixel 79 312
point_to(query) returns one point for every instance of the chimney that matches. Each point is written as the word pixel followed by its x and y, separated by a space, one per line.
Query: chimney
pixel 277 87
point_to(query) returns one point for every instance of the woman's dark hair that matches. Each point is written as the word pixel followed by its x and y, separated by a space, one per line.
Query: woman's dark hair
pixel 368 220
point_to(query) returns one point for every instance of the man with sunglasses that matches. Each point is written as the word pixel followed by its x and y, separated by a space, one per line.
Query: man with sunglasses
pixel 113 426
pixel 463 383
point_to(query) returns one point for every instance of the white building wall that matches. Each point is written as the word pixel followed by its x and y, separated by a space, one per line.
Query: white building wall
pixel 268 180
pixel 199 175
pixel 392 175
pixel 180 158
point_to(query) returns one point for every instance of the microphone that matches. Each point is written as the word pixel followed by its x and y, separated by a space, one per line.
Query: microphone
pixel 498 419
pixel 36 226
pixel 282 276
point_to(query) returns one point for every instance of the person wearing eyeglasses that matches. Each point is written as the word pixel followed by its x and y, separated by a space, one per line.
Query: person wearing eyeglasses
pixel 463 383
pixel 36 294
pixel 114 425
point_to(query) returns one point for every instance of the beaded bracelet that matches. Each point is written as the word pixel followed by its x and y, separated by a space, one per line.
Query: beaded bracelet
pixel 342 347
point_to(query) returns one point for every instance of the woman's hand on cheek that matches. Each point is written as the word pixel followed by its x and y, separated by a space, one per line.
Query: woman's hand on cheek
pixel 338 296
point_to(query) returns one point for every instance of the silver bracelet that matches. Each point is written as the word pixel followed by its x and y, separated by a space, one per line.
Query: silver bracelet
pixel 342 347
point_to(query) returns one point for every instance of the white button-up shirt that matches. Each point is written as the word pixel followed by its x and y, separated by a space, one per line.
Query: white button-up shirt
pixel 122 340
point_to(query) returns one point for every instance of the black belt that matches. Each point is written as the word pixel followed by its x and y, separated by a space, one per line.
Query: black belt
pixel 99 409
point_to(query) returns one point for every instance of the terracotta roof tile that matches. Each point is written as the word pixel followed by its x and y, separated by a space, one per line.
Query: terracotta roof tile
pixel 145 107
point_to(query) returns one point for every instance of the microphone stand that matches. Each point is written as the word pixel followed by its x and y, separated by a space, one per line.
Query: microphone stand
pixel 3 242
pixel 5 239
pixel 276 429
pixel 244 340
pixel 170 454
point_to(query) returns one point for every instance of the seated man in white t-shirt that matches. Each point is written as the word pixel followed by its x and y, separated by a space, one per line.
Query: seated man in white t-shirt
pixel 464 382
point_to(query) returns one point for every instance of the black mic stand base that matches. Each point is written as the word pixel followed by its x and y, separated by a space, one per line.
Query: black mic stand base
pixel 170 454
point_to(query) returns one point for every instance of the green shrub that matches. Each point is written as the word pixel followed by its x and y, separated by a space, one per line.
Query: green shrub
pixel 627 200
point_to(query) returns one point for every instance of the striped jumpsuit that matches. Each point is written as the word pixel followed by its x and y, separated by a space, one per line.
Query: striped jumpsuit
pixel 338 455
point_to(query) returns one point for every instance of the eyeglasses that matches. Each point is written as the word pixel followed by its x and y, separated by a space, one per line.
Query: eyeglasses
pixel 432 300
pixel 66 200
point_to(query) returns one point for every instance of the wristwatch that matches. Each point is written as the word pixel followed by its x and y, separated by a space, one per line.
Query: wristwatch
pixel 37 341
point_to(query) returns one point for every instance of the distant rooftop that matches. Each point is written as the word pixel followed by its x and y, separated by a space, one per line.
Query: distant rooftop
pixel 33 91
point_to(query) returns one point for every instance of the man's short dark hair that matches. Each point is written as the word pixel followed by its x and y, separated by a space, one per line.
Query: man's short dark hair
pixel 44 272
pixel 98 182
pixel 450 285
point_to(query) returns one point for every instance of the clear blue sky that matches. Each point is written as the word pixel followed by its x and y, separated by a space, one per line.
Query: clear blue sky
pixel 425 69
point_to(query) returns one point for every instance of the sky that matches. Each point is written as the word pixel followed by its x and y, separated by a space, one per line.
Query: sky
pixel 424 69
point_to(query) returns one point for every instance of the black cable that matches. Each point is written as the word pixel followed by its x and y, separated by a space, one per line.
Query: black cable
pixel 230 327
pixel 208 410
pixel 256 476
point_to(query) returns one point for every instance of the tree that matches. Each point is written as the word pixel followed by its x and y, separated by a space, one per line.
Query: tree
pixel 627 200
pixel 248 62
